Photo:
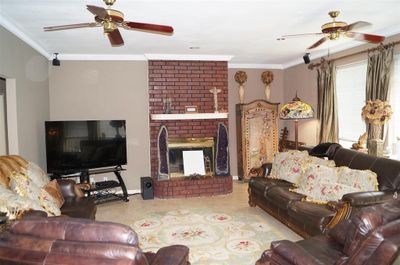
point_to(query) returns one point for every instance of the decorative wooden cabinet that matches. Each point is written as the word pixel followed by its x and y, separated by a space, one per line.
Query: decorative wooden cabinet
pixel 257 135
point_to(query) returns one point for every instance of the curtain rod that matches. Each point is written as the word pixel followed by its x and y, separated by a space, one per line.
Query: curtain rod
pixel 312 65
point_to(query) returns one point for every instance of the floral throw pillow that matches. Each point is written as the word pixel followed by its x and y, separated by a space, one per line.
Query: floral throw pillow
pixel 23 185
pixel 26 188
pixel 37 175
pixel 13 204
pixel 361 180
pixel 289 165
pixel 327 191
pixel 310 180
pixel 313 160
pixel 49 203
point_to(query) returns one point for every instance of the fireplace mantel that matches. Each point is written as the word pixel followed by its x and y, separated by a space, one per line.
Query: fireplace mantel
pixel 189 116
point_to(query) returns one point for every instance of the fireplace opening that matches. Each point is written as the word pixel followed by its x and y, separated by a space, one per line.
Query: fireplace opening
pixel 176 146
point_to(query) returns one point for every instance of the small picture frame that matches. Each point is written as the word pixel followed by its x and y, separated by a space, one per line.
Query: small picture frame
pixel 191 109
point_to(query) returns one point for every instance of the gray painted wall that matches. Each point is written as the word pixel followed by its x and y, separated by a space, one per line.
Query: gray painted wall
pixel 81 90
pixel 30 71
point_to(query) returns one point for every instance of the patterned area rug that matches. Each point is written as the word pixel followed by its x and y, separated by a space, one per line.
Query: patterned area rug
pixel 214 238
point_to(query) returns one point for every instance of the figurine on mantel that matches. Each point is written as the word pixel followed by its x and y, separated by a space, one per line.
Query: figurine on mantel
pixel 215 92
pixel 167 102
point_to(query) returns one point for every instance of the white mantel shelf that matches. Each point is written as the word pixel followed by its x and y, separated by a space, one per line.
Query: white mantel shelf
pixel 189 116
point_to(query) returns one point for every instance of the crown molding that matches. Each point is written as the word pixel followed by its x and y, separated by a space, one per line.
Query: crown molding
pixel 254 66
pixel 188 57
pixel 22 36
pixel 101 57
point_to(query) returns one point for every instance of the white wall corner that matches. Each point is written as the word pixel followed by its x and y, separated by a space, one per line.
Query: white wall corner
pixel 25 38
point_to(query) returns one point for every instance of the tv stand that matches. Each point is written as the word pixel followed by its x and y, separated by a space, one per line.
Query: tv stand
pixel 101 190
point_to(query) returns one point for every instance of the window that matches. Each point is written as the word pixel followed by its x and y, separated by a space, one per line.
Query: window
pixel 394 124
pixel 350 92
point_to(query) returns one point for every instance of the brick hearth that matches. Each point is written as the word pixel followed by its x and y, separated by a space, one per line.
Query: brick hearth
pixel 187 83
pixel 185 187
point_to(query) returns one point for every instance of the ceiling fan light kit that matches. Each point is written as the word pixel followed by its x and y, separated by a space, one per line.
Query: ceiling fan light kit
pixel 110 20
pixel 335 29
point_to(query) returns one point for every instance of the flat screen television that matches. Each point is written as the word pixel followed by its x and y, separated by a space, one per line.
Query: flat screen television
pixel 73 146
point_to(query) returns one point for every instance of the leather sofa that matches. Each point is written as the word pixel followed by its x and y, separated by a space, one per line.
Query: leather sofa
pixel 64 240
pixel 370 237
pixel 308 219
pixel 75 203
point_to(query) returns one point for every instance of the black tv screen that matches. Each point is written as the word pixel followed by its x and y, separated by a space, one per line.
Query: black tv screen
pixel 73 146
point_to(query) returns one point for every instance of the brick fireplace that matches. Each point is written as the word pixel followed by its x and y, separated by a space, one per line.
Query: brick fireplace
pixel 187 83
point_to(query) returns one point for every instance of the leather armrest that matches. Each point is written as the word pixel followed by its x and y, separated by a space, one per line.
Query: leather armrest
pixel 69 188
pixel 267 167
pixel 293 253
pixel 359 199
pixel 172 255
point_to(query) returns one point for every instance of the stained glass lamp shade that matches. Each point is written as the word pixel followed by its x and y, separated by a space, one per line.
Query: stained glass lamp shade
pixel 296 110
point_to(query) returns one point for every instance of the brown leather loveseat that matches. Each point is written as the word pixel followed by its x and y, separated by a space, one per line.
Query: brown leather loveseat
pixel 310 219
pixel 64 240
pixel 370 237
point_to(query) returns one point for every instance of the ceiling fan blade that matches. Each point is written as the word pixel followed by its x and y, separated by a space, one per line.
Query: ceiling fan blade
pixel 97 11
pixel 356 25
pixel 365 37
pixel 153 28
pixel 319 42
pixel 72 26
pixel 115 38
pixel 300 35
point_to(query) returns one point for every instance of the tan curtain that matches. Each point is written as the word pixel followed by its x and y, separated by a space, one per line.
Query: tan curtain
pixel 327 103
pixel 378 78
pixel 378 73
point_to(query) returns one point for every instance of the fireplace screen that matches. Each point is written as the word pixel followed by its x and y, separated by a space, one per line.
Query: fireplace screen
pixel 177 145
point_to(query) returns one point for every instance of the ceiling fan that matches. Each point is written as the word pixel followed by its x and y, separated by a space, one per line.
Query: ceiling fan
pixel 110 20
pixel 334 29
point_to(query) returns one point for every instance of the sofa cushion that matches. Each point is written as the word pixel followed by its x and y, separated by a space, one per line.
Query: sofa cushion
pixel 372 242
pixel 79 207
pixel 313 216
pixel 322 248
pixel 76 229
pixel 262 184
pixel 388 171
pixel 282 197
pixel 339 231
pixel 367 220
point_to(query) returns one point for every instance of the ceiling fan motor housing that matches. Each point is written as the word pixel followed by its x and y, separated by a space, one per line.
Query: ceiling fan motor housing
pixel 109 2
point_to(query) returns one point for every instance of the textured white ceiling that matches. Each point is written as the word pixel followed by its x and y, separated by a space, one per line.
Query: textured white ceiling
pixel 245 29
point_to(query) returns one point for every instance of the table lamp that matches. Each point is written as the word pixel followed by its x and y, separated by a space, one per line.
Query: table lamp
pixel 296 110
